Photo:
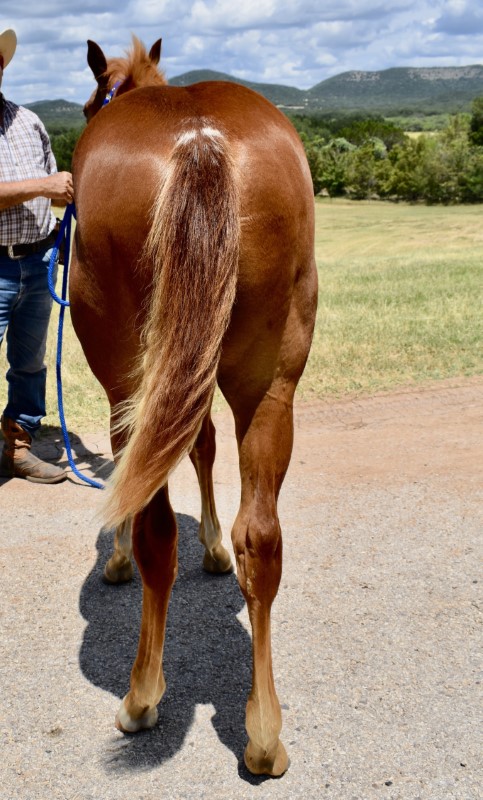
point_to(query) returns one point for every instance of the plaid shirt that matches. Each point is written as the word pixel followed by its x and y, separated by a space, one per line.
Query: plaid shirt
pixel 25 153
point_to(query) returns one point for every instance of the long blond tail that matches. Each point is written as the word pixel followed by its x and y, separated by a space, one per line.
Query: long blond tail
pixel 193 246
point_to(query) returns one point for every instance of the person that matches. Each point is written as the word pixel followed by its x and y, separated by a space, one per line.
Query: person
pixel 29 181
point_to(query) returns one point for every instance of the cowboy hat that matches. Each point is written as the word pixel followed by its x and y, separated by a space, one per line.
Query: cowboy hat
pixel 8 43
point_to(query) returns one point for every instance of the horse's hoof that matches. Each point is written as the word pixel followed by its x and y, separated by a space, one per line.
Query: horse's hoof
pixel 218 562
pixel 125 723
pixel 273 762
pixel 115 572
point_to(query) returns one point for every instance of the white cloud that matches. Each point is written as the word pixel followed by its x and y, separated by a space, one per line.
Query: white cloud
pixel 224 14
pixel 461 18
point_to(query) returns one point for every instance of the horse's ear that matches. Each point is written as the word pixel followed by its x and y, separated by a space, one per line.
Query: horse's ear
pixel 96 59
pixel 155 52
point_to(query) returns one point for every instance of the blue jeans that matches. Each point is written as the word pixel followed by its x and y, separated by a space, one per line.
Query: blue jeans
pixel 25 306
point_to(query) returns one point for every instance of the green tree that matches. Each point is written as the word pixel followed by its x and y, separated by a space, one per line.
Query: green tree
pixel 471 182
pixel 333 166
pixel 368 171
pixel 476 122
pixel 312 151
pixel 447 161
pixel 361 172
pixel 433 168
pixel 366 130
pixel 407 179
pixel 63 145
pixel 333 171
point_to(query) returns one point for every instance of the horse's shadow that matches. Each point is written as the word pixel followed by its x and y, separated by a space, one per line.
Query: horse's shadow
pixel 207 656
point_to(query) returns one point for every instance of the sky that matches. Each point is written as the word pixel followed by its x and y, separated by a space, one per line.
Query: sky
pixel 292 42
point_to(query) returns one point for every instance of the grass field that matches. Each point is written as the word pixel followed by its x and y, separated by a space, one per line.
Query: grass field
pixel 399 298
pixel 399 304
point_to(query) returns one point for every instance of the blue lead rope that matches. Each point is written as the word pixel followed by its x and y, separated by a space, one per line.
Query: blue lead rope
pixel 64 236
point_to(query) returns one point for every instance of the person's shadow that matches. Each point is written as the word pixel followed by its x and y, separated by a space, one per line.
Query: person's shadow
pixel 207 655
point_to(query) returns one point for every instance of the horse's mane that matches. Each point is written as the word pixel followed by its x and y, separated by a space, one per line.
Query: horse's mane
pixel 136 68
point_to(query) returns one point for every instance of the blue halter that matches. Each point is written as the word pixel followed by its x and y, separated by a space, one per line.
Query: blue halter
pixel 111 93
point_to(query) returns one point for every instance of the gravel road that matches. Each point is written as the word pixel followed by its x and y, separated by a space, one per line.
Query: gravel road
pixel 375 628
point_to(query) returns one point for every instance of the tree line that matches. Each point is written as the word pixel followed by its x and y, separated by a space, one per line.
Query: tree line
pixel 373 158
pixel 63 144
pixel 364 158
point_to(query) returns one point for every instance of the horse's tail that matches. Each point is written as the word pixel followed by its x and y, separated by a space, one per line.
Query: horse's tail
pixel 193 246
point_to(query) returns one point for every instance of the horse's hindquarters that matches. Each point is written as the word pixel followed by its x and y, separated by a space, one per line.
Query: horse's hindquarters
pixel 205 141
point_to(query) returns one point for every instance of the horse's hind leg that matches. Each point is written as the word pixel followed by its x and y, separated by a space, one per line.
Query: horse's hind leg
pixel 119 567
pixel 265 444
pixel 216 558
pixel 155 551
pixel 263 412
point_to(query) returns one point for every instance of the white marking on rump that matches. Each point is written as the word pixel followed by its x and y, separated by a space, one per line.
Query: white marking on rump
pixel 206 130
pixel 186 137
pixel 213 133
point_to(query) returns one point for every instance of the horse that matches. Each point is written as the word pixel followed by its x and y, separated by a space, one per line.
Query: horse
pixel 193 265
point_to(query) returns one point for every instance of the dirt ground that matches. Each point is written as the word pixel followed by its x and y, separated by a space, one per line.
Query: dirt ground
pixel 376 632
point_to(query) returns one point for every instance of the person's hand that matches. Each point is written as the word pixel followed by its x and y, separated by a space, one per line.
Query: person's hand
pixel 59 186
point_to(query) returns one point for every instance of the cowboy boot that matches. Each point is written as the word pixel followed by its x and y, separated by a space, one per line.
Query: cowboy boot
pixel 18 462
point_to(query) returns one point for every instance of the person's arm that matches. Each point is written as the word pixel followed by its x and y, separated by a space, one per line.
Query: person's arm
pixel 58 186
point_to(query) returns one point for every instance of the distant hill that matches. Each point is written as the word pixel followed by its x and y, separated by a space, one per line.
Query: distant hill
pixel 431 90
pixel 396 91
pixel 424 90
pixel 58 114
pixel 278 94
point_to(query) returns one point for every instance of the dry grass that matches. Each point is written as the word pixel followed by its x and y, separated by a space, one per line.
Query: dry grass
pixel 399 305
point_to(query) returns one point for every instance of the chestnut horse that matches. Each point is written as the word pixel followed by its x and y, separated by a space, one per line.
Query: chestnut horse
pixel 193 264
